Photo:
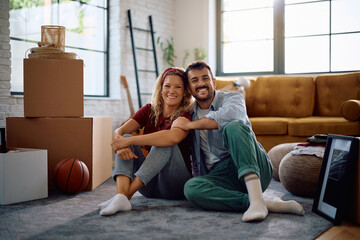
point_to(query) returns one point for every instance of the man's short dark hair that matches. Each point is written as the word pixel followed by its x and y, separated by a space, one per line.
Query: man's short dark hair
pixel 198 65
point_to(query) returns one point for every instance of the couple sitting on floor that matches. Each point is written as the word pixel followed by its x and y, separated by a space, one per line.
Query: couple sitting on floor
pixel 205 151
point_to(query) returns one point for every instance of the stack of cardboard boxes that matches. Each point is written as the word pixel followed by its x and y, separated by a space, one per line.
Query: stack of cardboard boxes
pixel 54 119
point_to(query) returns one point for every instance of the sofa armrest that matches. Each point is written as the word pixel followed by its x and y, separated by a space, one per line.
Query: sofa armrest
pixel 350 110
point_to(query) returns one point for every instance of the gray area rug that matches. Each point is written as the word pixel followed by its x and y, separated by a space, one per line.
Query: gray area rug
pixel 77 217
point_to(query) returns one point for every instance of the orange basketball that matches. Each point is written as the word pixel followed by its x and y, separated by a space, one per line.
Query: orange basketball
pixel 71 175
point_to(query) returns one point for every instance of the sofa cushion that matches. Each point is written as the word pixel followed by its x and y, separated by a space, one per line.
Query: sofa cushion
pixel 280 96
pixel 248 93
pixel 350 110
pixel 221 83
pixel 269 125
pixel 322 125
pixel 332 90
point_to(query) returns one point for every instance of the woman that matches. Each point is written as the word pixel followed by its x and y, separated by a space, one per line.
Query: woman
pixel 163 173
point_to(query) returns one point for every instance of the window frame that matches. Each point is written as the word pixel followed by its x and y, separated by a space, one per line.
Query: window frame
pixel 279 42
pixel 106 51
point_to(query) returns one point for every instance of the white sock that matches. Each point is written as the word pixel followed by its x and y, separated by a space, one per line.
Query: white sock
pixel 119 203
pixel 280 206
pixel 105 203
pixel 257 210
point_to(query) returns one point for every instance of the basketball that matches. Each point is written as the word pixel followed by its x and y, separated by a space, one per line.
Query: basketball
pixel 71 175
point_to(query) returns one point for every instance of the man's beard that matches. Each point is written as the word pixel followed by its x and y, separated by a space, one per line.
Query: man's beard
pixel 202 99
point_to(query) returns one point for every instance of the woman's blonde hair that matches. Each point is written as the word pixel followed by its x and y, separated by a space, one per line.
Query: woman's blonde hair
pixel 157 102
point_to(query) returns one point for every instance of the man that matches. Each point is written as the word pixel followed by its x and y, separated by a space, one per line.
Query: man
pixel 232 168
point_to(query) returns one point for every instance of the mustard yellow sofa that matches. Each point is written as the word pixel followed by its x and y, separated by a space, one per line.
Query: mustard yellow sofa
pixel 285 109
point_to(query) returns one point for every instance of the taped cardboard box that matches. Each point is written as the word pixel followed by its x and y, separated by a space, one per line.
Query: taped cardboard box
pixel 53 88
pixel 86 138
pixel 24 175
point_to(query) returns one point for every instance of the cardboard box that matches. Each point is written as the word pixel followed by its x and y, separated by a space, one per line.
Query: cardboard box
pixel 23 175
pixel 87 139
pixel 53 88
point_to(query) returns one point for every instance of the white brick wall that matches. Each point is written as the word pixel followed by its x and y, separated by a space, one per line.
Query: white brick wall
pixel 163 22
pixel 7 105
pixel 120 55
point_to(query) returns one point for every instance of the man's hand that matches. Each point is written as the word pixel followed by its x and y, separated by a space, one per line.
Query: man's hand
pixel 182 123
pixel 126 154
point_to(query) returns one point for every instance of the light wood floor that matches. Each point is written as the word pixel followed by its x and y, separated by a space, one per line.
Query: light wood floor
pixel 346 231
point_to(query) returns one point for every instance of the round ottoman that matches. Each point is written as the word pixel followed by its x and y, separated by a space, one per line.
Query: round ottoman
pixel 299 174
pixel 277 153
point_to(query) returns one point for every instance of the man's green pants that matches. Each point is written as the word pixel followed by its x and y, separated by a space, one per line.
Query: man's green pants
pixel 223 188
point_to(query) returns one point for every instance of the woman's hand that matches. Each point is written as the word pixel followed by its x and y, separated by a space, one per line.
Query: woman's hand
pixel 119 143
pixel 116 135
pixel 120 146
pixel 126 154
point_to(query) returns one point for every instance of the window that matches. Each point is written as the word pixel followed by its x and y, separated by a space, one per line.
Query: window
pixel 86 35
pixel 288 36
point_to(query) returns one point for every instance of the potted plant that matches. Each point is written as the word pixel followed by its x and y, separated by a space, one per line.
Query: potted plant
pixel 168 50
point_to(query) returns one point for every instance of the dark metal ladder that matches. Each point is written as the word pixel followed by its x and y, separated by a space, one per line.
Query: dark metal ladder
pixel 134 48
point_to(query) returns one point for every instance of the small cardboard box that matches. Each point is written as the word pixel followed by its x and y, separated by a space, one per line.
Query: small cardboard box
pixel 86 138
pixel 53 88
pixel 23 175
